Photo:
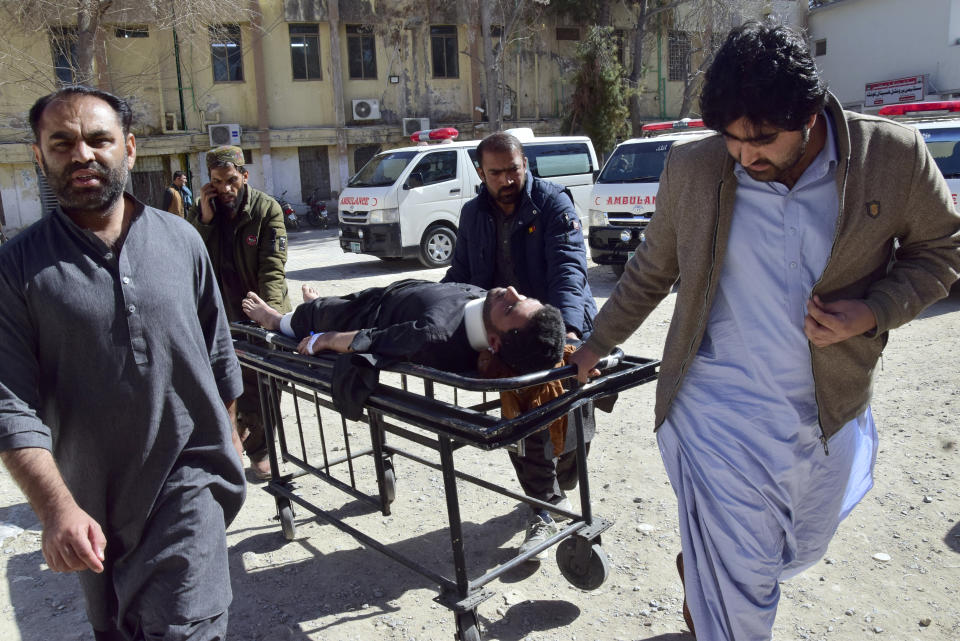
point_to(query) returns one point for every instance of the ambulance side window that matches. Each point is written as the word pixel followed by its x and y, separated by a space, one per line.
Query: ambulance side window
pixel 437 167
pixel 944 146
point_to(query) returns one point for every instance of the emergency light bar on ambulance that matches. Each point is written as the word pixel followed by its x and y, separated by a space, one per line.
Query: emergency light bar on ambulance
pixel 672 125
pixel 919 107
pixel 433 135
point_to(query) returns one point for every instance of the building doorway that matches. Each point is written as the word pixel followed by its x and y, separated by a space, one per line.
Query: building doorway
pixel 314 172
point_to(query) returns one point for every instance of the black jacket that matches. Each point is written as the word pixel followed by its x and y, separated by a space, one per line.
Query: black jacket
pixel 410 320
pixel 549 255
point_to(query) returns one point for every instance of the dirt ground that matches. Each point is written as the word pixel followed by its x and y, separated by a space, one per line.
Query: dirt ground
pixel 892 571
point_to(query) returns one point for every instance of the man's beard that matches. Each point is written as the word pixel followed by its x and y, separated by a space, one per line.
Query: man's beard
pixel 232 207
pixel 88 200
pixel 509 195
pixel 777 173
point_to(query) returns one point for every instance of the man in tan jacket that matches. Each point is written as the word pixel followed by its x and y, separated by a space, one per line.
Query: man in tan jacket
pixel 173 195
pixel 800 234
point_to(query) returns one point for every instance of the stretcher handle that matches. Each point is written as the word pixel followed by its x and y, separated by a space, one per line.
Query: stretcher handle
pixel 610 360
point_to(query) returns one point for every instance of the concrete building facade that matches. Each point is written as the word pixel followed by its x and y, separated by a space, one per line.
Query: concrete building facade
pixel 876 52
pixel 311 89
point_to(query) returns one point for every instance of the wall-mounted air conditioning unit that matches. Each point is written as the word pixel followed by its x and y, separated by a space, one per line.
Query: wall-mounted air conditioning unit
pixel 224 135
pixel 413 125
pixel 366 109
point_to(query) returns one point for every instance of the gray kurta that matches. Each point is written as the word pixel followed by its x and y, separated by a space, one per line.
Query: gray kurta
pixel 120 365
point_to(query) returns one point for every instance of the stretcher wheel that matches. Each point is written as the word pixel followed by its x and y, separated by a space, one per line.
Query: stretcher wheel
pixel 390 484
pixel 468 627
pixel 286 521
pixel 585 565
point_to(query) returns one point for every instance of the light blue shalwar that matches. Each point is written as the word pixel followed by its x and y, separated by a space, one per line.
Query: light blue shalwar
pixel 759 500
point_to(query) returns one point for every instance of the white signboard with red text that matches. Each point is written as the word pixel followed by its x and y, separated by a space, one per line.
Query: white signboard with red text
pixel 892 92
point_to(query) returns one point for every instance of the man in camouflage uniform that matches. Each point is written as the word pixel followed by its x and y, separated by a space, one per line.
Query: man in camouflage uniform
pixel 243 230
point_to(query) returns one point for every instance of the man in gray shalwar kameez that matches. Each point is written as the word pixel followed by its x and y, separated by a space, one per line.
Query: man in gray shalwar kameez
pixel 118 382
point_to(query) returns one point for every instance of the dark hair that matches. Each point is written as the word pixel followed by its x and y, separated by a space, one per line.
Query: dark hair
pixel 498 143
pixel 119 105
pixel 763 72
pixel 536 346
pixel 178 173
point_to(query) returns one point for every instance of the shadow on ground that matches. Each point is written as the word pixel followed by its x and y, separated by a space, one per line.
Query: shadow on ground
pixel 46 605
pixel 273 598
pixel 952 539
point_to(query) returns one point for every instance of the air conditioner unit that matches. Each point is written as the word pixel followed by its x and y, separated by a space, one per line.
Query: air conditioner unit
pixel 224 135
pixel 413 125
pixel 366 109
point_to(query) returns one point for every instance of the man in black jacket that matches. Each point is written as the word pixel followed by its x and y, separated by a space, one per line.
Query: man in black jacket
pixel 523 231
pixel 441 325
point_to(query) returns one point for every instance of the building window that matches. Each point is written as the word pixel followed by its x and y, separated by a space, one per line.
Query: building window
pixel 63 44
pixel 820 47
pixel 226 52
pixel 138 31
pixel 679 55
pixel 361 52
pixel 305 51
pixel 568 33
pixel 619 38
pixel 443 46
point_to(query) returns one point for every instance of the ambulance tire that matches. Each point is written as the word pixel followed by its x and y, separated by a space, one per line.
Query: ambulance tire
pixel 436 247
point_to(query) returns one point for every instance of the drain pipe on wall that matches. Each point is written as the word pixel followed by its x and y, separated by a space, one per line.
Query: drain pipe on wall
pixel 263 108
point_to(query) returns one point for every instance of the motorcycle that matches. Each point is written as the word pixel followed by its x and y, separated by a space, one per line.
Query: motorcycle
pixel 317 215
pixel 290 220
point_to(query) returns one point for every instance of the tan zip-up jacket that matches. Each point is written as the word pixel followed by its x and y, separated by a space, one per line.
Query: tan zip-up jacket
pixel 889 188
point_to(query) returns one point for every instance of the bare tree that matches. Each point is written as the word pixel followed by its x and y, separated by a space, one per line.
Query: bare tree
pixel 648 16
pixel 78 30
pixel 517 23
pixel 707 23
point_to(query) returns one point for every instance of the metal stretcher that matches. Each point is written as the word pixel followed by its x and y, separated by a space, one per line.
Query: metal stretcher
pixel 439 425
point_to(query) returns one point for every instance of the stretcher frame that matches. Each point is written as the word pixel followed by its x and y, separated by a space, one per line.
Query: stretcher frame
pixel 444 428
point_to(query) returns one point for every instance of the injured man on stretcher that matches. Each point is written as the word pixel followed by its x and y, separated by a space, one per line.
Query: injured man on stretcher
pixel 440 325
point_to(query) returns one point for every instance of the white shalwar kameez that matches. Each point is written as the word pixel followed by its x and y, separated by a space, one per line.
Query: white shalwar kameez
pixel 759 499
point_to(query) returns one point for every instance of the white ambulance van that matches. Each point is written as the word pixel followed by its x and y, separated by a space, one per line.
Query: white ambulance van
pixel 406 202
pixel 939 123
pixel 625 194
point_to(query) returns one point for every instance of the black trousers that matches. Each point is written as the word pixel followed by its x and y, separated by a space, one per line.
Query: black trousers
pixel 544 476
pixel 250 417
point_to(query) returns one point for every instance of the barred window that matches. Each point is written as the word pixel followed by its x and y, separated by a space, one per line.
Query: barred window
pixel 679 55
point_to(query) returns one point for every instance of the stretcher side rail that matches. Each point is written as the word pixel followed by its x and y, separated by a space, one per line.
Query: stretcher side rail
pixel 463 424
pixel 461 381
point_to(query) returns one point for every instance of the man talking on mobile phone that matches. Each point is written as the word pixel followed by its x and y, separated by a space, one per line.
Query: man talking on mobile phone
pixel 243 230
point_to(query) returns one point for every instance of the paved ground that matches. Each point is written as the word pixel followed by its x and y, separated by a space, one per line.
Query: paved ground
pixel 325 586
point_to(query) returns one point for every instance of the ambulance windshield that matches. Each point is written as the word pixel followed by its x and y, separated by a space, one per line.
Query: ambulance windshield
pixel 944 145
pixel 382 170
pixel 640 162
